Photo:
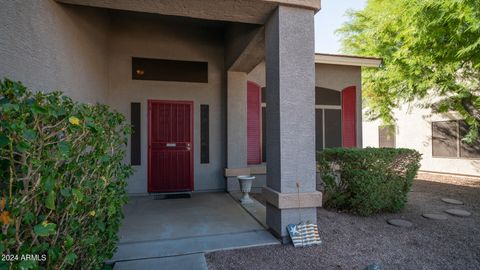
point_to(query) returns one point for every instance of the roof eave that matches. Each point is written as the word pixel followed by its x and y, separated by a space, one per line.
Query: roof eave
pixel 347 60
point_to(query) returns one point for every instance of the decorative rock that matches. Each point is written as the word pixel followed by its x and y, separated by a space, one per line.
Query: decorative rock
pixel 458 212
pixel 400 223
pixel 452 201
pixel 434 216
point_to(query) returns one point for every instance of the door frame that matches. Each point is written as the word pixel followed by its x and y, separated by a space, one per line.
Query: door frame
pixel 149 131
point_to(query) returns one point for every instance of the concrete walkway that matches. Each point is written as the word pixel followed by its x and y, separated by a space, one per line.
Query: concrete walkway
pixel 255 208
pixel 178 232
pixel 192 261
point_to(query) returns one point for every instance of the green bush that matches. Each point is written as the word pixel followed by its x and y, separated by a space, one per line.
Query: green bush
pixel 62 179
pixel 367 181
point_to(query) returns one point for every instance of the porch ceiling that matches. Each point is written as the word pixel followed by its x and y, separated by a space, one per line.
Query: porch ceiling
pixel 246 11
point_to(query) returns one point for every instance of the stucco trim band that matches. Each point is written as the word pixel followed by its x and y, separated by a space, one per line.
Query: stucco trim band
pixel 309 4
pixel 231 172
pixel 292 200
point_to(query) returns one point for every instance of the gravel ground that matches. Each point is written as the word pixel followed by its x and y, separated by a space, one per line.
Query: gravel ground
pixel 353 242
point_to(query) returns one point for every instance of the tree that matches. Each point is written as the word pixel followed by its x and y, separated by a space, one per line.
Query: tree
pixel 431 52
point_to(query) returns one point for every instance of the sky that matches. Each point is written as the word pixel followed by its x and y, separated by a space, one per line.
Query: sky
pixel 330 18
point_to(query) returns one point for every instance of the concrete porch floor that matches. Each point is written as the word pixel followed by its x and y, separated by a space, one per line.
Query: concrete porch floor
pixel 174 229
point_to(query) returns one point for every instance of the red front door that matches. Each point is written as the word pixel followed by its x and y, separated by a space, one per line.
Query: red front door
pixel 170 146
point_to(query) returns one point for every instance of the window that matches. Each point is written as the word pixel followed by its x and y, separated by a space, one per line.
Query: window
pixel 319 129
pixel 468 150
pixel 169 70
pixel 204 134
pixel 328 118
pixel 386 136
pixel 135 136
pixel 333 128
pixel 447 140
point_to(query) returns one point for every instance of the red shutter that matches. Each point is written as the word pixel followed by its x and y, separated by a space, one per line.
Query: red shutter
pixel 254 154
pixel 349 119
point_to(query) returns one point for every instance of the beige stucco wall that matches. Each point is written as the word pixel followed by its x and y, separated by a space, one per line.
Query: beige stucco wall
pixel 414 130
pixel 153 37
pixel 257 75
pixel 51 46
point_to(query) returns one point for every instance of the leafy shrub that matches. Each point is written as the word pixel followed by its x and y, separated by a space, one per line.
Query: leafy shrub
pixel 367 181
pixel 62 179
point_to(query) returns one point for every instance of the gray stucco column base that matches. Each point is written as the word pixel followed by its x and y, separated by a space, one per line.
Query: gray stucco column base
pixel 290 119
pixel 280 218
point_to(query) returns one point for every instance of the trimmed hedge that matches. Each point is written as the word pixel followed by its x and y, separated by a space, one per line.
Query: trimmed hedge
pixel 62 179
pixel 367 181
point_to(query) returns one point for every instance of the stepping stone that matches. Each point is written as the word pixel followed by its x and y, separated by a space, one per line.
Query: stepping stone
pixel 452 201
pixel 400 223
pixel 434 216
pixel 458 212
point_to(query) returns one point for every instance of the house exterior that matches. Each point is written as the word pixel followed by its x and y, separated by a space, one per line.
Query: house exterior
pixel 189 76
pixel 438 137
pixel 338 123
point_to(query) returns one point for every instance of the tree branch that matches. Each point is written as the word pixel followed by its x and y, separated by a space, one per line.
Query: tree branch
pixel 470 108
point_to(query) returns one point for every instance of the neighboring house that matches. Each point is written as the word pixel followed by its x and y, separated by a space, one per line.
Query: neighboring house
pixel 438 137
pixel 188 74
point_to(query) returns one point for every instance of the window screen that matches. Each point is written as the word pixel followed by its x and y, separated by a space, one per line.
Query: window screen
pixel 445 139
pixel 471 150
pixel 318 129
pixel 386 136
pixel 333 128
